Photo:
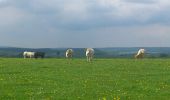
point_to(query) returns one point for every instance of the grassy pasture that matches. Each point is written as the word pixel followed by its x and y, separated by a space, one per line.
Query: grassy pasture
pixel 103 79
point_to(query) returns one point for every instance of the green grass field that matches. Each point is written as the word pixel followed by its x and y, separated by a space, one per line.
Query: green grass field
pixel 103 79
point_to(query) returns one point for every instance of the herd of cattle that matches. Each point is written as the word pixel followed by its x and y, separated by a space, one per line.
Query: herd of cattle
pixel 69 54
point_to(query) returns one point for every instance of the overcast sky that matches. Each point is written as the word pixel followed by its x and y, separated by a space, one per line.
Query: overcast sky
pixel 84 23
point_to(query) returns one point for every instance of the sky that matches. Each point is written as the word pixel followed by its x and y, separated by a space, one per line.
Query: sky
pixel 84 23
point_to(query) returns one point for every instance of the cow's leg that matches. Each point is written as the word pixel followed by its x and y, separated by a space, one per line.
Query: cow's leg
pixel 137 56
pixel 91 57
pixel 142 55
pixel 87 58
pixel 31 56
pixel 71 57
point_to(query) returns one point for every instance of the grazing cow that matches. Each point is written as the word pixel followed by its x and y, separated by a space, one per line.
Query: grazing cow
pixel 69 53
pixel 39 55
pixel 89 54
pixel 140 54
pixel 27 54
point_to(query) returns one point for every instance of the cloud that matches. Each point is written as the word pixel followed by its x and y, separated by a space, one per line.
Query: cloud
pixel 93 13
pixel 62 23
pixel 10 16
pixel 141 1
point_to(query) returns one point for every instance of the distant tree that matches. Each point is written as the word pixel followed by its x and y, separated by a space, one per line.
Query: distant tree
pixel 58 53
pixel 162 55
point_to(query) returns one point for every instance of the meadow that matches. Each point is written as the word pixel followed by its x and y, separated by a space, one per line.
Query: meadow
pixel 103 79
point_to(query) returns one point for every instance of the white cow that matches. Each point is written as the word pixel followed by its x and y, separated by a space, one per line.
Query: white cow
pixel 27 54
pixel 140 53
pixel 89 54
pixel 69 53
